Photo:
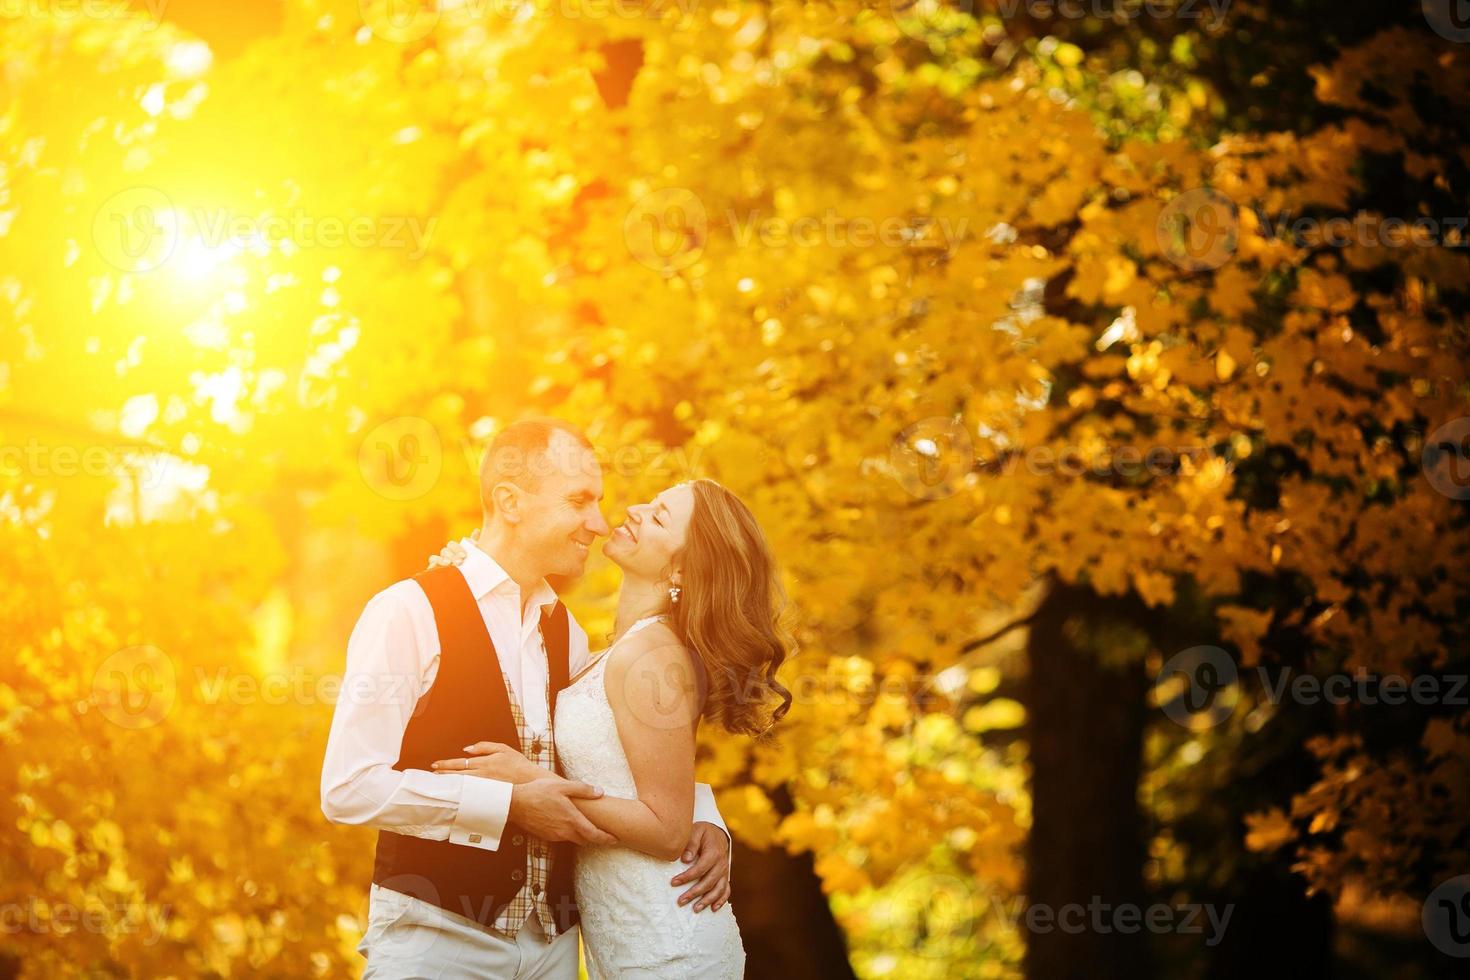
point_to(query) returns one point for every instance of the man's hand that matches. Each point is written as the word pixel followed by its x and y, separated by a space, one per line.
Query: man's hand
pixel 709 849
pixel 545 808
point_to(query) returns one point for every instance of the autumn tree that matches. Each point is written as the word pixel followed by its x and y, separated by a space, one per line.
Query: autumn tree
pixel 982 349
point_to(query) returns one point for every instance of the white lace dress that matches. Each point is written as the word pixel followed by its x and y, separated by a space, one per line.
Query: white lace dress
pixel 632 924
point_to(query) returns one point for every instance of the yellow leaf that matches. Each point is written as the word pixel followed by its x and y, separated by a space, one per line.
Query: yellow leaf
pixel 1000 713
pixel 1224 365
pixel 1268 830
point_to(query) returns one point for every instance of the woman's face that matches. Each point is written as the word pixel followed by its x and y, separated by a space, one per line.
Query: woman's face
pixel 652 534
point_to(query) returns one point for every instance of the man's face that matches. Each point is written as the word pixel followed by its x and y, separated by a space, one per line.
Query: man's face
pixel 561 513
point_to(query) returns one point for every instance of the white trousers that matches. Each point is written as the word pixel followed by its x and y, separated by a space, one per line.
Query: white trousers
pixel 409 939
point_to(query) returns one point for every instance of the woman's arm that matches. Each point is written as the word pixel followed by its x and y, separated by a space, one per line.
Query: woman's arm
pixel 649 683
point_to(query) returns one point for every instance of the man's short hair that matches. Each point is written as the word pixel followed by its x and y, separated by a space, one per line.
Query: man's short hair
pixel 520 454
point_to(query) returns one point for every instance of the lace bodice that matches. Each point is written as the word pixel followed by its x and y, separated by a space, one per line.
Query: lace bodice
pixel 591 733
pixel 632 924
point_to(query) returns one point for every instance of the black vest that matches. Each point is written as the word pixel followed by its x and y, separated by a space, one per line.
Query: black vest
pixel 468 703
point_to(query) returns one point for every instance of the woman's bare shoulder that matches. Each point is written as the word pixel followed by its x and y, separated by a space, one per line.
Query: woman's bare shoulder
pixel 653 671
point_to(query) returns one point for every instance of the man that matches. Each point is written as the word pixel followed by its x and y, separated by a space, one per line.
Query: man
pixel 473 876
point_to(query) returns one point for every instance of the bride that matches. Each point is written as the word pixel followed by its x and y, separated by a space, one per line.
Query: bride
pixel 696 638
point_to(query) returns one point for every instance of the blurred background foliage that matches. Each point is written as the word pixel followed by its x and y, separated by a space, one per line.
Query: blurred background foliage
pixel 876 269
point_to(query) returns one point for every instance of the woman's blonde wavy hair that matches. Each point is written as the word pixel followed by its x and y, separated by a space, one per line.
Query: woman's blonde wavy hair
pixel 729 612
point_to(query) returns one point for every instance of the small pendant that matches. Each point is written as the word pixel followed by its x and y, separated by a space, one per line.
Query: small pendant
pixel 536 745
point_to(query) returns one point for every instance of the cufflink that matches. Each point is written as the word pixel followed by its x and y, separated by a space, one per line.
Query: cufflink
pixel 474 838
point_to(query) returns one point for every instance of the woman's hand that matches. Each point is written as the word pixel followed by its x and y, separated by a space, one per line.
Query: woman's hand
pixel 494 760
pixel 453 553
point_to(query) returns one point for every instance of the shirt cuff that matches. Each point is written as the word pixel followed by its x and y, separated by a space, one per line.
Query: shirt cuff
pixel 705 811
pixel 484 807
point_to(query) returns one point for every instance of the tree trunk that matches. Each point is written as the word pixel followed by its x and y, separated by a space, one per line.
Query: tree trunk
pixel 1086 848
pixel 1276 932
pixel 785 921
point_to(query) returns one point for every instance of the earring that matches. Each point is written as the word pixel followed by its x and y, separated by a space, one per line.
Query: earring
pixel 674 591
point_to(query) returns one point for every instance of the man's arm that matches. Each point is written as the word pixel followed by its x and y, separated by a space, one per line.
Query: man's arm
pixel 388 671
pixel 706 810
pixel 710 855
pixel 710 866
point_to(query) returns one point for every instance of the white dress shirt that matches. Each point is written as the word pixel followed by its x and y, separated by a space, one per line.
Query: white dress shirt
pixel 392 660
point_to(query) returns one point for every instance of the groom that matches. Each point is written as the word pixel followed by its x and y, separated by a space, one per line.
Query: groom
pixel 473 876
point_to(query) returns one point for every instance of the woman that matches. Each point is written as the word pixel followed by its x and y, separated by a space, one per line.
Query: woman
pixel 696 636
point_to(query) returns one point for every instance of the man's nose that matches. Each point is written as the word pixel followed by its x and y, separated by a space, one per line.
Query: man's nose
pixel 598 525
